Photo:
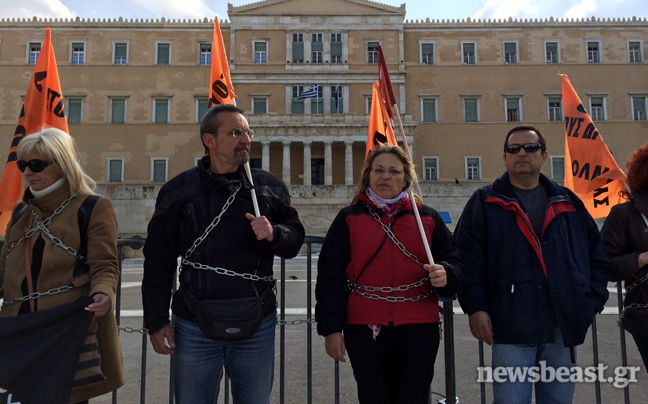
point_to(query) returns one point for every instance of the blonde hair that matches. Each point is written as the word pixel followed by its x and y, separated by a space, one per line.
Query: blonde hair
pixel 408 170
pixel 59 148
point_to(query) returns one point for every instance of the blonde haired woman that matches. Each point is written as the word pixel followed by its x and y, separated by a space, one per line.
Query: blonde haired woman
pixel 45 248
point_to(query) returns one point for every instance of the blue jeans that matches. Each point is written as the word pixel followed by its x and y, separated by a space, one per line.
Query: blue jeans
pixel 526 356
pixel 199 364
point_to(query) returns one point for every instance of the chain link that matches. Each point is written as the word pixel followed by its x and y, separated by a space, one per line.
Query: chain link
pixel 637 283
pixel 133 330
pixel 36 295
pixel 393 299
pixel 296 322
pixel 57 241
pixel 632 306
pixel 213 224
pixel 392 236
pixel 362 290
pixel 42 224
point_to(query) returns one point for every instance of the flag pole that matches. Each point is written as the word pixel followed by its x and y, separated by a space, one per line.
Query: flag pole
pixel 411 192
pixel 257 213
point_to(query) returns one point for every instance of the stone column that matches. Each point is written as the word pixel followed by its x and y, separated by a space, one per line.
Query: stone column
pixel 265 155
pixel 348 162
pixel 307 162
pixel 328 163
pixel 286 162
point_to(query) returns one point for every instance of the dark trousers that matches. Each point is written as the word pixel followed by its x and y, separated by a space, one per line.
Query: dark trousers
pixel 642 345
pixel 397 367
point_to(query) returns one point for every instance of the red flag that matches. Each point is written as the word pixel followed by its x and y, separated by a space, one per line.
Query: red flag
pixel 381 130
pixel 386 92
pixel 43 107
pixel 590 170
pixel 221 90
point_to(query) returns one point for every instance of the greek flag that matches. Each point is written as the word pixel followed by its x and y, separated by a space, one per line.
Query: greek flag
pixel 310 93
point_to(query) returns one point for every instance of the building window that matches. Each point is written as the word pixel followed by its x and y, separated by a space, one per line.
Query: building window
pixel 336 48
pixel 161 110
pixel 115 170
pixel 118 110
pixel 427 53
pixel 473 168
pixel 597 108
pixel 317 48
pixel 557 168
pixel 317 103
pixel 163 53
pixel 120 53
pixel 638 108
pixel 513 110
pixel 555 109
pixel 634 51
pixel 78 53
pixel 202 105
pixel 205 54
pixel 469 52
pixel 259 105
pixel 159 170
pixel 297 106
pixel 471 110
pixel 552 54
pixel 33 50
pixel 510 53
pixel 317 171
pixel 593 52
pixel 75 110
pixel 428 110
pixel 260 49
pixel 298 48
pixel 368 105
pixel 337 107
pixel 372 52
pixel 431 168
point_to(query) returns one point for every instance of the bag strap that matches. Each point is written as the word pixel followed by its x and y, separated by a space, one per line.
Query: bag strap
pixel 30 285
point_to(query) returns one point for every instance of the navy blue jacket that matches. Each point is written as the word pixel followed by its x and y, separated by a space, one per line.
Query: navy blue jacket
pixel 529 283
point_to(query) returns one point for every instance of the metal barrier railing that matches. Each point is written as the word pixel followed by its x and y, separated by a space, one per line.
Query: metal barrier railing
pixel 448 340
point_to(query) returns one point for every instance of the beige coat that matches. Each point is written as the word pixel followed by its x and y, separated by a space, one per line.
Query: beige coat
pixel 57 267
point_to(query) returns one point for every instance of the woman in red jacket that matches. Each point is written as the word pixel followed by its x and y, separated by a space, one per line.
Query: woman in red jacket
pixel 377 296
pixel 625 234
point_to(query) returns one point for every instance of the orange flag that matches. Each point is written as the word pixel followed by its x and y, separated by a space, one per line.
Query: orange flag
pixel 590 170
pixel 43 107
pixel 221 90
pixel 381 130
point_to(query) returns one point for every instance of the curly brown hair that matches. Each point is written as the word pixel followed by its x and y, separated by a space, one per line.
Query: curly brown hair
pixel 637 172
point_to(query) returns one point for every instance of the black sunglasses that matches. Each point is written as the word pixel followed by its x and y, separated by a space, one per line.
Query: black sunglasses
pixel 529 148
pixel 35 165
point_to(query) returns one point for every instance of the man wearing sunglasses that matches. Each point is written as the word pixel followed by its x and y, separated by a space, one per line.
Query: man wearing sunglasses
pixel 205 216
pixel 535 273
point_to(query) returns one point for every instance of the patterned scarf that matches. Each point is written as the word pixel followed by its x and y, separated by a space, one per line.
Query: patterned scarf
pixel 389 206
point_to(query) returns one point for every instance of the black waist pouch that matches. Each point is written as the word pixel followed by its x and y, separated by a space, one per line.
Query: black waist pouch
pixel 229 319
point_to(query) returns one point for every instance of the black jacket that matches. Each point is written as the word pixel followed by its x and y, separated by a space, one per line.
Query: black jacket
pixel 184 208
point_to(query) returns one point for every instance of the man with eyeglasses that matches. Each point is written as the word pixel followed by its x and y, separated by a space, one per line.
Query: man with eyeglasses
pixel 225 306
pixel 535 273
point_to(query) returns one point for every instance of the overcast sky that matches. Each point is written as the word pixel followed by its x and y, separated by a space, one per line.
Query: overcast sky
pixel 416 9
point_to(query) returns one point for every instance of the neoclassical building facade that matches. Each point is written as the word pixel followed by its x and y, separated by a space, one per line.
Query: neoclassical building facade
pixel 303 72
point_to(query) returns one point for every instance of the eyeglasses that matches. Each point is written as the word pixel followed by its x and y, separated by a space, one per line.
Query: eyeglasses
pixel 382 171
pixel 240 132
pixel 528 147
pixel 35 165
